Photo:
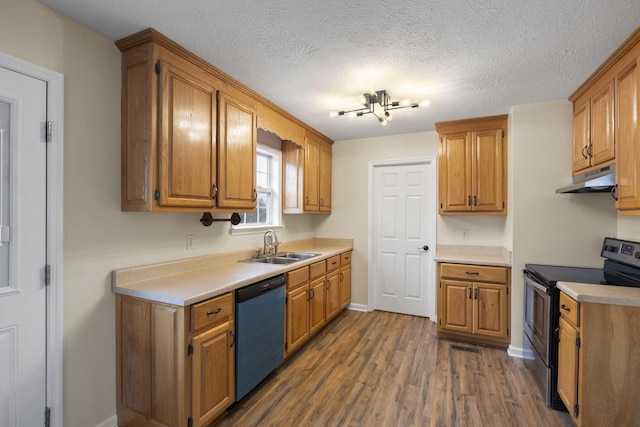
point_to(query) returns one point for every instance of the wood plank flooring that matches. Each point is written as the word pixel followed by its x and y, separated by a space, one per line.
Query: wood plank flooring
pixel 387 369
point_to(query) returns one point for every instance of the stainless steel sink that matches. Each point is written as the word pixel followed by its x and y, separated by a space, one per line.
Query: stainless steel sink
pixel 283 258
pixel 298 255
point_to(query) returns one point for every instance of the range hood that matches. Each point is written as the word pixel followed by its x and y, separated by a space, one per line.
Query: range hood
pixel 600 180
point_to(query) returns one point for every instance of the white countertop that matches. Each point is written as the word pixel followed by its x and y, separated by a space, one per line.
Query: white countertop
pixel 189 281
pixel 473 254
pixel 601 294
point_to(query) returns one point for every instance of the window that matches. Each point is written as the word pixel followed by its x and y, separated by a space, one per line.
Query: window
pixel 267 213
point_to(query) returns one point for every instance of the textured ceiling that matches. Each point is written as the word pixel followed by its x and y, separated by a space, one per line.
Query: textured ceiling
pixel 469 58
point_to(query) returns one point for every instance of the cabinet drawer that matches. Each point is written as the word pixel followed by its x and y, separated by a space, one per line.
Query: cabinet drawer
pixel 569 309
pixel 297 277
pixel 212 311
pixel 345 258
pixel 317 269
pixel 333 262
pixel 480 273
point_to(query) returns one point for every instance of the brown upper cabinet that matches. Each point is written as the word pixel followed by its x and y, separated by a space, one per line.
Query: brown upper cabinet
pixel 189 131
pixel 472 162
pixel 605 123
pixel 594 130
pixel 307 175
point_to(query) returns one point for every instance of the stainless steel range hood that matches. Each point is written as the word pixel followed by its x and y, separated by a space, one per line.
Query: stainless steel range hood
pixel 600 180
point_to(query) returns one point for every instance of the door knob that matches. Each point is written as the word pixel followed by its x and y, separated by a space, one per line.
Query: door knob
pixel 424 248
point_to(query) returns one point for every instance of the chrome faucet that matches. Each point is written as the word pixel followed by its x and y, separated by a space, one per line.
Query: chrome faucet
pixel 271 243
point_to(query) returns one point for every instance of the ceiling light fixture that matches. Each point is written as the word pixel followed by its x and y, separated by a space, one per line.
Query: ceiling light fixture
pixel 382 98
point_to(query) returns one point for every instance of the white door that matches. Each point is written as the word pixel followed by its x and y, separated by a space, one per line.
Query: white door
pixel 23 114
pixel 404 237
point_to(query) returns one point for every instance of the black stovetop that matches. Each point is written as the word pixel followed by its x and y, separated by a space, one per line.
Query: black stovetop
pixel 549 274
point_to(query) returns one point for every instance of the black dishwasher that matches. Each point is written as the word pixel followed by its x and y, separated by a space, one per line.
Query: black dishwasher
pixel 259 332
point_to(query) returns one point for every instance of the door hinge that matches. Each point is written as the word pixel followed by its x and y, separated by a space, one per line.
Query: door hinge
pixel 189 350
pixel 440 285
pixel 158 67
pixel 217 96
pixel 502 205
pixel 578 342
pixel 507 331
pixel 507 291
pixel 48 129
pixel 47 416
pixel 286 346
pixel 576 409
pixel 440 321
pixel 440 205
pixel 503 133
pixel 47 274
pixel 5 234
pixel 189 422
pixel 441 140
pixel 156 195
pixel 286 300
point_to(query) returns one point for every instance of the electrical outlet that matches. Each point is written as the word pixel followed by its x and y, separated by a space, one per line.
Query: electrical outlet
pixel 465 234
pixel 190 241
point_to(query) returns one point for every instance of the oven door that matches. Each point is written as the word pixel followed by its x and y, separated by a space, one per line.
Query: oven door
pixel 537 306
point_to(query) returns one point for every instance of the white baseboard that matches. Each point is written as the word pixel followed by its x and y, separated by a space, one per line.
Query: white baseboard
pixel 515 352
pixel 357 307
pixel 110 422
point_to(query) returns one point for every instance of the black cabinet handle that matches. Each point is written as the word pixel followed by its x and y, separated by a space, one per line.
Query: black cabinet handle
pixel 219 309
pixel 476 294
pixel 564 307
pixel 472 273
pixel 470 293
pixel 233 339
pixel 583 152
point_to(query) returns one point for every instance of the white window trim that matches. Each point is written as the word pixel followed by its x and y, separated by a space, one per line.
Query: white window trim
pixel 276 190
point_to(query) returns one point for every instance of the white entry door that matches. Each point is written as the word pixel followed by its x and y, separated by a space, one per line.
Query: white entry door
pixel 23 112
pixel 404 236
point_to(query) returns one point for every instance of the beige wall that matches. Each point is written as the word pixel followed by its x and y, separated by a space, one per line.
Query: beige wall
pixel 98 237
pixel 550 228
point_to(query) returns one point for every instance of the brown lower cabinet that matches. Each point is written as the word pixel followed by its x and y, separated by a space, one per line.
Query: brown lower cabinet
pixel 599 362
pixel 473 303
pixel 315 294
pixel 175 365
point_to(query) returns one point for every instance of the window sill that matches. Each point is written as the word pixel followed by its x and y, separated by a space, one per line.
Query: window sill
pixel 258 229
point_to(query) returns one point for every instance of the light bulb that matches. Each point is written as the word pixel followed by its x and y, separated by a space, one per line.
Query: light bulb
pixel 372 91
pixel 363 100
pixel 333 114
pixel 382 121
pixel 351 115
pixel 405 103
pixel 425 103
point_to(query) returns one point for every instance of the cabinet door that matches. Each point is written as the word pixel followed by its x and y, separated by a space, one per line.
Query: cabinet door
pixel 292 177
pixel 601 147
pixel 488 177
pixel 581 136
pixel 455 173
pixel 311 175
pixel 325 178
pixel 333 293
pixel 187 154
pixel 345 285
pixel 213 370
pixel 490 310
pixel 568 365
pixel 317 305
pixel 457 306
pixel 237 155
pixel 628 137
pixel 297 317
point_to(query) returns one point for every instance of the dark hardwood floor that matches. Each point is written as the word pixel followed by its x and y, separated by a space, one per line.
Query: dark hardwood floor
pixel 387 369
